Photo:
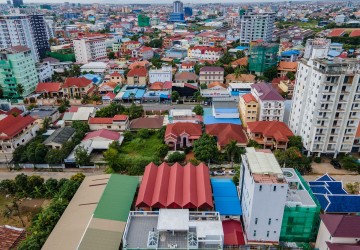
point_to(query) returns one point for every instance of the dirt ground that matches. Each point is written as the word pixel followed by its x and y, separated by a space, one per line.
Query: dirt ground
pixel 28 208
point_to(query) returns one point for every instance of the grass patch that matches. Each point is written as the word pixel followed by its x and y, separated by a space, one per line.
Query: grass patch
pixel 142 147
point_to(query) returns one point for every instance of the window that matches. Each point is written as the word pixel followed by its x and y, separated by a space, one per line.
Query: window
pixel 269 223
pixel 267 233
pixel 256 221
pixel 274 188
pixel 260 187
pixel 254 234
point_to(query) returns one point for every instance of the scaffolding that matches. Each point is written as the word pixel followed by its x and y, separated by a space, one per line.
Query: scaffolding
pixel 263 56
pixel 301 223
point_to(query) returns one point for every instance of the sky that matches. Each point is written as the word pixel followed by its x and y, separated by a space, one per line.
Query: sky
pixel 145 1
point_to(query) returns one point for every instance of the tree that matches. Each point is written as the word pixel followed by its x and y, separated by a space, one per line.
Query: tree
pixel 111 55
pixel 162 150
pixel 111 156
pixel 293 158
pixel 75 70
pixel 271 73
pixel 156 43
pixel 198 109
pixel 205 148
pixel 290 75
pixel 79 177
pixel 175 96
pixel 295 141
pixel 82 157
pixel 134 111
pixel 350 163
pixel 232 150
pixel 353 188
pixel 226 58
pixel 176 157
pixel 240 54
pixel 203 86
pixel 143 133
pixel 253 144
pixel 20 89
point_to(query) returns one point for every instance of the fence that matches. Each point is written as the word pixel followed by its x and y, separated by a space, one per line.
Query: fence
pixel 40 166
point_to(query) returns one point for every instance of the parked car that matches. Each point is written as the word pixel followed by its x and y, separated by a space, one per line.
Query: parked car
pixel 232 172
pixel 212 173
pixel 219 172
pixel 335 163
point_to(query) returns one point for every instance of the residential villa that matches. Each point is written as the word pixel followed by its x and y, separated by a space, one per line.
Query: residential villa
pixel 77 86
pixel 182 134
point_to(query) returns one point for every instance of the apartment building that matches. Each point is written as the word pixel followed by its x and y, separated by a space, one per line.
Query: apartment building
pixel 205 53
pixel 271 103
pixel 262 56
pixel 17 68
pixel 248 109
pixel 89 48
pixel 17 30
pixel 326 101
pixel 254 26
pixel 210 74
pixel 161 75
pixel 41 34
pixel 262 181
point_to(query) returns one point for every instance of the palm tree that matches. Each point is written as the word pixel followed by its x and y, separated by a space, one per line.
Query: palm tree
pixel 232 150
pixel 20 89
pixel 237 72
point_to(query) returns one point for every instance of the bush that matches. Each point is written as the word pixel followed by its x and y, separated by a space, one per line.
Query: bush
pixel 176 157
pixel 317 159
pixel 194 161
pixel 143 133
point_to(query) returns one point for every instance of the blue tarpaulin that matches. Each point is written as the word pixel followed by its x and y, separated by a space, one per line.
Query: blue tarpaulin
pixel 226 198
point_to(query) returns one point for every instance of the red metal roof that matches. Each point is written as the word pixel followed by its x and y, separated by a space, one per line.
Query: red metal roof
pixel 226 132
pixel 48 87
pixel 15 111
pixel 354 33
pixel 278 130
pixel 344 226
pixel 175 187
pixel 141 71
pixel 103 133
pixel 10 237
pixel 233 233
pixel 120 118
pixel 79 82
pixel 100 120
pixel 10 126
pixel 178 128
pixel 336 32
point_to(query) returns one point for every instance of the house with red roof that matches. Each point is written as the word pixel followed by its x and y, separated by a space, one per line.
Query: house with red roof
pixel 77 86
pixel 143 52
pixel 286 67
pixel 182 134
pixel 227 132
pixel 338 232
pixel 248 109
pixel 116 77
pixel 175 187
pixel 137 76
pixel 14 132
pixel 116 123
pixel 49 89
pixel 270 134
pixel 129 46
pixel 233 234
pixel 205 53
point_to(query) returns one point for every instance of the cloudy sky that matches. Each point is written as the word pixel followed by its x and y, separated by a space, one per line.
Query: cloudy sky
pixel 143 1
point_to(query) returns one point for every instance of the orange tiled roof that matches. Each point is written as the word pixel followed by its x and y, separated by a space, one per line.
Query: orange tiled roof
pixel 288 66
pixel 249 98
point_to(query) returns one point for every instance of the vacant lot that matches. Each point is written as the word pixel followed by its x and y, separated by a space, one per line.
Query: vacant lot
pixel 139 147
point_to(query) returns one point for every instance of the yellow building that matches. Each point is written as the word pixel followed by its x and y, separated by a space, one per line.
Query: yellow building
pixel 249 109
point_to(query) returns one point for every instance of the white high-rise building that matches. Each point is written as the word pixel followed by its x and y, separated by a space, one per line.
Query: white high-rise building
pixel 326 103
pixel 254 26
pixel 263 191
pixel 16 30
pixel 178 7
pixel 90 48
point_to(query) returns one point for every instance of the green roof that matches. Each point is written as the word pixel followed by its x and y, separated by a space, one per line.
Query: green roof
pixel 115 202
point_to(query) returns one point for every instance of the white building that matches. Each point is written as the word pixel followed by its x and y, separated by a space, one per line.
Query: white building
pixel 338 231
pixel 326 101
pixel 16 30
pixel 256 26
pixel 263 191
pixel 271 103
pixel 205 53
pixel 91 48
pixel 161 75
pixel 96 67
pixel 44 71
pixel 340 19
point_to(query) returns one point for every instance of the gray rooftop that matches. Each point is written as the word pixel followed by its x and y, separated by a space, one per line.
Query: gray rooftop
pixel 60 135
pixel 41 113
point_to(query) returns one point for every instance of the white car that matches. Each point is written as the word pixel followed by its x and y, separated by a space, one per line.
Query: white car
pixel 219 172
pixel 232 172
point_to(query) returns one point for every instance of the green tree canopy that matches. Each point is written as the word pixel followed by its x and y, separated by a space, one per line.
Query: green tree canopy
pixel 82 157
pixel 205 148
pixel 198 109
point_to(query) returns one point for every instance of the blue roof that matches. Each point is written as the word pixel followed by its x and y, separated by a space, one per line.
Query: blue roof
pixel 225 197
pixel 336 44
pixel 212 120
pixel 332 196
pixel 290 52
pixel 334 53
pixel 242 47
pixel 226 110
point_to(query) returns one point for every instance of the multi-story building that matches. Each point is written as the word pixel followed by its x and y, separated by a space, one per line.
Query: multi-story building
pixel 261 182
pixel 17 30
pixel 77 86
pixel 128 47
pixel 143 52
pixel 178 12
pixel 18 3
pixel 205 53
pixel 271 103
pixel 44 71
pixel 89 48
pixel 256 26
pixel 161 75
pixel 248 109
pixel 210 74
pixel 178 7
pixel 41 33
pixel 262 56
pixel 17 71
pixel 137 76
pixel 326 101
pixel 143 21
pixel 15 131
